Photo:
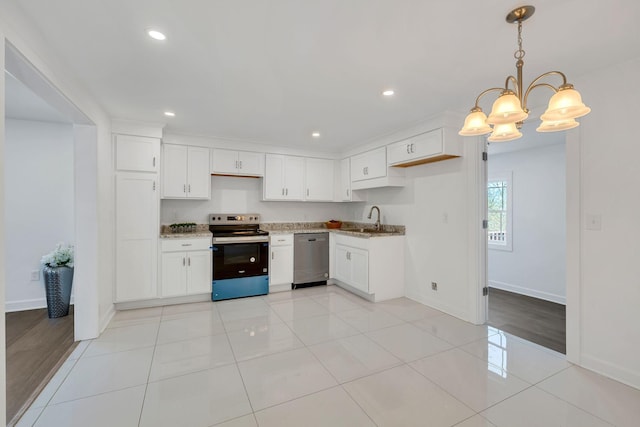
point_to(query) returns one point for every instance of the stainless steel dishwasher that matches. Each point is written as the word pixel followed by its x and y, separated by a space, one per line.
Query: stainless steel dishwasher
pixel 310 259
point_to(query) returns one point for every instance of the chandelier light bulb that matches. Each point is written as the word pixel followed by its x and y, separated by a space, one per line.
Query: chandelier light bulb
pixel 475 124
pixel 504 132
pixel 506 109
pixel 555 126
pixel 565 104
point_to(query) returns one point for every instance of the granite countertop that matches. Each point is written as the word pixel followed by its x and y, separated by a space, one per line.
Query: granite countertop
pixel 319 227
pixel 202 230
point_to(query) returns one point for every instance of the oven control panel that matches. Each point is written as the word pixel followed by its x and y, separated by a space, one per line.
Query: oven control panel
pixel 234 219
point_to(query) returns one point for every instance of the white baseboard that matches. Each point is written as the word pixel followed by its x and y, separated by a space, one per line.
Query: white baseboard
pixel 106 318
pixel 445 308
pixel 528 292
pixel 615 372
pixel 27 304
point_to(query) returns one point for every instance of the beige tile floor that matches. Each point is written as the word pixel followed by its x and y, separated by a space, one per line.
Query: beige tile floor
pixel 320 357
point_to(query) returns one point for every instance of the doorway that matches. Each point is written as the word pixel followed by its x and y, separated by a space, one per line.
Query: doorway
pixel 527 237
pixel 80 217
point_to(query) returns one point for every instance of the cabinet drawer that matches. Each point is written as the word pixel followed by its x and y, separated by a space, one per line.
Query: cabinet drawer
pixel 195 244
pixel 282 240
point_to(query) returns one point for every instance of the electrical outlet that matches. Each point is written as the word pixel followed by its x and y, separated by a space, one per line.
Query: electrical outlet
pixel 434 286
pixel 35 275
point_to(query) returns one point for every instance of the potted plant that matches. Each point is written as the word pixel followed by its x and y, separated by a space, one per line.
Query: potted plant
pixel 58 276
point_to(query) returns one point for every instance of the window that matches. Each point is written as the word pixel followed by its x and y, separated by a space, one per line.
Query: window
pixel 499 198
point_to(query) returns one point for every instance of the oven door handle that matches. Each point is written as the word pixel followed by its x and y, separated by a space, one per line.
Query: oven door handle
pixel 231 240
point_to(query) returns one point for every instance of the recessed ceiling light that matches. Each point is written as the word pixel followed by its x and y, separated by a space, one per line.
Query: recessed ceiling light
pixel 316 134
pixel 169 114
pixel 388 92
pixel 156 35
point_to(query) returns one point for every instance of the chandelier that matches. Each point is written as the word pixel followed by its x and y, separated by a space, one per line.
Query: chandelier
pixel 510 109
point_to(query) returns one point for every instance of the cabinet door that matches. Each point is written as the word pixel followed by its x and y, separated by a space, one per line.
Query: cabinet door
pixel 319 179
pixel 137 153
pixel 250 163
pixel 342 264
pixel 281 270
pixel 376 166
pixel 294 178
pixel 198 174
pixel 273 177
pixel 199 270
pixel 224 161
pixel 359 260
pixel 358 167
pixel 136 236
pixel 399 152
pixel 426 144
pixel 174 274
pixel 345 180
pixel 174 171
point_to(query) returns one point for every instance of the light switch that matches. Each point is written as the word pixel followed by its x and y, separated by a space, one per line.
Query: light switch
pixel 593 222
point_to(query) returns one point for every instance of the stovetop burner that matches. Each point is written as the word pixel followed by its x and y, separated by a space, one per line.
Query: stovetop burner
pixel 236 226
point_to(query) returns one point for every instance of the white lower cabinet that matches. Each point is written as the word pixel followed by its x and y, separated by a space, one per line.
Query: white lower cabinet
pixel 352 267
pixel 186 267
pixel 373 267
pixel 281 260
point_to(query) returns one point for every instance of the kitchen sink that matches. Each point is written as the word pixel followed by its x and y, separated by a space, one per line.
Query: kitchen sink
pixel 367 231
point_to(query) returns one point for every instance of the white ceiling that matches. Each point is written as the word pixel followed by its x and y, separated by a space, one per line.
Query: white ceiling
pixel 274 71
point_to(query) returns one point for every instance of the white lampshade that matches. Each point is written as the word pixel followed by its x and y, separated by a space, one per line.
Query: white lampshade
pixel 506 109
pixel 505 132
pixel 475 124
pixel 565 104
pixel 551 126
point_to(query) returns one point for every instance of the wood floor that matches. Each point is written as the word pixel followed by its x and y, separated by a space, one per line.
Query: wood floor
pixel 36 346
pixel 533 319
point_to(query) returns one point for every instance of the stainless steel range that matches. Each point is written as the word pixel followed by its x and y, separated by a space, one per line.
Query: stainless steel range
pixel 240 256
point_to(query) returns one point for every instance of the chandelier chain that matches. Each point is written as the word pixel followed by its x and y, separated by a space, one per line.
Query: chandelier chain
pixel 519 54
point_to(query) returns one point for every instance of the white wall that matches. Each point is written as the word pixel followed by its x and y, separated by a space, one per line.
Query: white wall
pixel 536 265
pixel 243 195
pixel 604 272
pixel 39 200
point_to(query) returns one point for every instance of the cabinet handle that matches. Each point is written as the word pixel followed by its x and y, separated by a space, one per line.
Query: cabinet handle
pixel 189 188
pixel 184 261
pixel 240 162
pixel 283 191
pixel 184 188
pixel 154 161
pixel 347 192
pixel 154 186
pixel 189 261
pixel 236 165
pixel 186 244
pixel 286 192
pixel 412 148
pixel 307 192
pixel 408 148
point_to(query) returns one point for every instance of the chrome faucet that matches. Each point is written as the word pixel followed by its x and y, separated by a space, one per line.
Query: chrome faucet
pixel 377 225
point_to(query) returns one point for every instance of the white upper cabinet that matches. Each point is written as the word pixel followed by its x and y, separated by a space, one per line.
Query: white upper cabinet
pixel 284 177
pixel 369 165
pixel 370 170
pixel 432 146
pixel 185 173
pixel 319 179
pixel 137 153
pixel 230 162
pixel 343 192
